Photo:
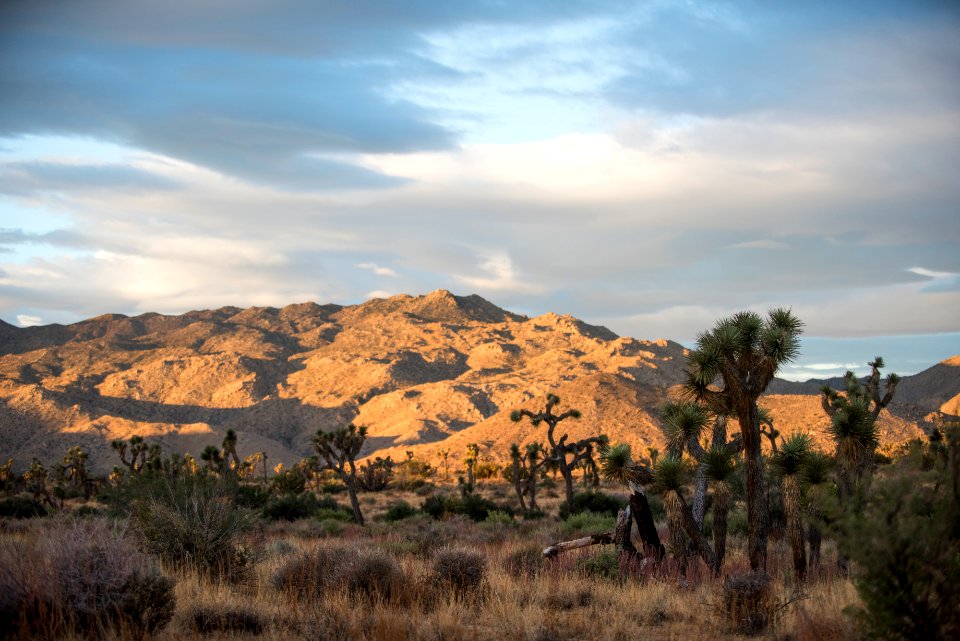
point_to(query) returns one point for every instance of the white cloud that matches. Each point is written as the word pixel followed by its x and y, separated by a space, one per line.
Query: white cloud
pixel 501 275
pixel 378 270
pixel 26 320
pixel 378 293
pixel 920 271
pixel 760 244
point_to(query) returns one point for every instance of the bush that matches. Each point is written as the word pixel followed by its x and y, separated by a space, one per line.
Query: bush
pixel 193 522
pixel 290 507
pixel 473 506
pixel 748 603
pixel 83 577
pixel 309 574
pixel 399 510
pixel 22 507
pixel 524 562
pixel 906 542
pixel 373 574
pixel 597 502
pixel 603 565
pixel 462 571
pixel 586 523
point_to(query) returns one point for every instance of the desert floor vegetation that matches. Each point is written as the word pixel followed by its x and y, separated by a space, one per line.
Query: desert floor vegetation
pixel 414 578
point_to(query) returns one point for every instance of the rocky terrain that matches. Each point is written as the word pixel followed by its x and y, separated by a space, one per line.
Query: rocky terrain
pixel 426 373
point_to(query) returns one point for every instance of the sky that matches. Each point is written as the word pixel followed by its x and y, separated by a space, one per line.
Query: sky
pixel 648 166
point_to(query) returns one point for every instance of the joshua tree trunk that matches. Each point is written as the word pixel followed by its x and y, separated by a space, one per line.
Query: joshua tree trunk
pixel 791 505
pixel 351 482
pixel 695 534
pixel 517 485
pixel 699 505
pixel 567 474
pixel 721 507
pixel 678 538
pixel 640 509
pixel 532 489
pixel 815 536
pixel 755 486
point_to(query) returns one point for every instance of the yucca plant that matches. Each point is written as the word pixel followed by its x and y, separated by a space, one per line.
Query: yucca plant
pixel 788 463
pixel 719 466
pixel 683 425
pixel 669 478
pixel 727 372
pixel 617 464
pixel 816 474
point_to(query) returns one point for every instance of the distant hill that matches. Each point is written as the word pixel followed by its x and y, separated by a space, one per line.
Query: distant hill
pixel 424 373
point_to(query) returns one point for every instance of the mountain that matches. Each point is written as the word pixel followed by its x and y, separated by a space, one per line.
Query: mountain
pixel 424 373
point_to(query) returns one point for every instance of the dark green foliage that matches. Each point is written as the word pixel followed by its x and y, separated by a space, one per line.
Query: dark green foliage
pixel 719 465
pixel 906 541
pixel 616 464
pixel 254 497
pixel 603 565
pixel 290 507
pixel 793 455
pixel 289 481
pixel 375 475
pixel 670 474
pixel 214 619
pixel 195 522
pixel 461 570
pixel 683 421
pixel 597 502
pixel 400 510
pixel 473 506
pixel 21 507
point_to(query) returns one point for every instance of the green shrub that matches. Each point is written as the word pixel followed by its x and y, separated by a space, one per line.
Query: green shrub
pixel 194 522
pixel 473 506
pixel 597 502
pixel 906 542
pixel 81 577
pixel 603 565
pixel 399 510
pixel 290 507
pixel 584 523
pixel 21 506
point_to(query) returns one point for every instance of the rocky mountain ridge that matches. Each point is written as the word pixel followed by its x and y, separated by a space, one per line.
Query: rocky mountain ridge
pixel 424 373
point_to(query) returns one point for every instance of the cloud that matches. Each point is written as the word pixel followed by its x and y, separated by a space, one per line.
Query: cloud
pixel 378 270
pixel 759 244
pixel 28 178
pixel 500 275
pixel 378 293
pixel 29 321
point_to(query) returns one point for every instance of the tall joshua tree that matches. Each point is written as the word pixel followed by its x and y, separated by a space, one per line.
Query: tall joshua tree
pixel 728 371
pixel 518 460
pixel 230 456
pixel 137 449
pixel 535 464
pixel 789 463
pixel 683 425
pixel 669 477
pixel 817 471
pixel 470 460
pixel 853 425
pixel 75 464
pixel 338 451
pixel 616 464
pixel 566 455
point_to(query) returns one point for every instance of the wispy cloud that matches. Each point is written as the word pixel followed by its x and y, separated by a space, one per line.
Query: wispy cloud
pixel 29 321
pixel 378 270
pixel 500 275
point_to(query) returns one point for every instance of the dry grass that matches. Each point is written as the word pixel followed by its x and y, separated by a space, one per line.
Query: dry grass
pixel 523 598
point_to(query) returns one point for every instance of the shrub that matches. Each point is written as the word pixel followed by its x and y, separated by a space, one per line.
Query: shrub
pixel 193 522
pixel 603 565
pixel 22 507
pixel 81 577
pixel 597 502
pixel 906 542
pixel 747 603
pixel 461 570
pixel 399 510
pixel 210 619
pixel 473 506
pixel 524 562
pixel 586 523
pixel 373 574
pixel 290 507
pixel 309 574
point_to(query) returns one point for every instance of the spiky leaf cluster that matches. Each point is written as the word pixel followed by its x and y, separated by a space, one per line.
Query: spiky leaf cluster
pixel 793 455
pixel 670 474
pixel 718 464
pixel 854 428
pixel 617 464
pixel 683 421
pixel 817 468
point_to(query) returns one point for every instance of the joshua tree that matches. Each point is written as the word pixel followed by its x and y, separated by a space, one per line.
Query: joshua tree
pixel 789 463
pixel 445 455
pixel 743 353
pixel 535 463
pixel 338 451
pixel 137 449
pixel 470 460
pixel 683 425
pixel 853 418
pixel 213 458
pixel 669 477
pixel 618 465
pixel 816 474
pixel 230 456
pixel 375 475
pixel 518 460
pixel 75 465
pixel 566 455
pixel 718 466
